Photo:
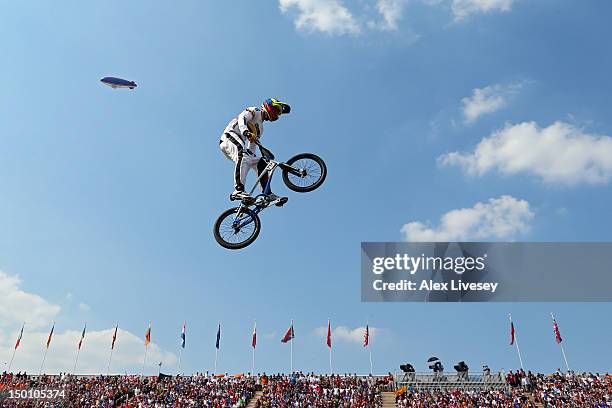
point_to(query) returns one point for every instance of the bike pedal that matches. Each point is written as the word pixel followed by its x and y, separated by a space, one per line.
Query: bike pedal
pixel 245 201
pixel 281 202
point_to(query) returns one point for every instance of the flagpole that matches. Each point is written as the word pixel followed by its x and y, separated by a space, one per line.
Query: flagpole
pixel 561 344
pixel 369 348
pixel 46 349
pixel 79 350
pixel 564 357
pixel 43 362
pixel 217 344
pixel 109 362
pixel 147 343
pixel 291 347
pixel 253 369
pixel 75 362
pixel 179 360
pixel 144 360
pixel 12 358
pixel 330 348
pixel 254 346
pixel 517 345
pixel 112 349
pixel 16 345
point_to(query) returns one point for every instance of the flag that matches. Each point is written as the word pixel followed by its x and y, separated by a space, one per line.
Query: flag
pixel 82 336
pixel 148 335
pixel 114 338
pixel 329 343
pixel 50 335
pixel 254 339
pixel 557 333
pixel 366 337
pixel 218 337
pixel 183 336
pixel 512 331
pixel 289 335
pixel 19 338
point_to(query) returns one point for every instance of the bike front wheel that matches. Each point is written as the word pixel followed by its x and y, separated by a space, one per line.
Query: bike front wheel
pixel 312 172
pixel 236 231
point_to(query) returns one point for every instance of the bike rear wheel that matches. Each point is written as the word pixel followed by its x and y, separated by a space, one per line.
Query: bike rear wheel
pixel 234 232
pixel 313 171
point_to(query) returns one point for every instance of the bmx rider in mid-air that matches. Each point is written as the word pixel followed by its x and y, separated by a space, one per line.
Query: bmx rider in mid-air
pixel 238 144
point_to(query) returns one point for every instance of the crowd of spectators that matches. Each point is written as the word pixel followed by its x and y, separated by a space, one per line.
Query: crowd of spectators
pixel 565 390
pixel 309 390
pixel 300 390
pixel 464 398
pixel 130 391
pixel 523 389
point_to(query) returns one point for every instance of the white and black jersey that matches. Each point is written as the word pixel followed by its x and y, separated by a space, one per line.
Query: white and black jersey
pixel 237 148
pixel 249 119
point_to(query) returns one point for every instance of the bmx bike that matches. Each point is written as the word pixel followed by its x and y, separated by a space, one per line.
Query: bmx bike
pixel 239 227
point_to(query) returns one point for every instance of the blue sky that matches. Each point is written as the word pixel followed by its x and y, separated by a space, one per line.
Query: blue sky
pixel 109 196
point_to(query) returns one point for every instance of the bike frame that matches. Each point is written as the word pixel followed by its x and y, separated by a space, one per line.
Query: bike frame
pixel 270 168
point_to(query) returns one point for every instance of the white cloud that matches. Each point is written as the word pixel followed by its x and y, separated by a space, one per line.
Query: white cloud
pixel 327 16
pixel 95 351
pixel 487 100
pixel 346 334
pixel 560 153
pixel 17 306
pixel 84 307
pixel 334 18
pixel 464 8
pixel 499 218
pixel 391 12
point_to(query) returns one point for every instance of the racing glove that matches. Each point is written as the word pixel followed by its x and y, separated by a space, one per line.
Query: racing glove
pixel 249 135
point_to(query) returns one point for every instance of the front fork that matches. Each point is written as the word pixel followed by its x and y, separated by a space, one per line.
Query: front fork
pixel 293 170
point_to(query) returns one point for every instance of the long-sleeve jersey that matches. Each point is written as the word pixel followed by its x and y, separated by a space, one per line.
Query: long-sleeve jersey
pixel 249 119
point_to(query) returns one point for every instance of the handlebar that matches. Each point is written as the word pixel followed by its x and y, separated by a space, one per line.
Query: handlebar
pixel 265 152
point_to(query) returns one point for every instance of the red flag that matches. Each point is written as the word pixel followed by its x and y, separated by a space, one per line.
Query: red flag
pixel 329 342
pixel 512 333
pixel 148 335
pixel 114 338
pixel 289 335
pixel 20 336
pixel 82 336
pixel 366 336
pixel 254 340
pixel 50 335
pixel 557 333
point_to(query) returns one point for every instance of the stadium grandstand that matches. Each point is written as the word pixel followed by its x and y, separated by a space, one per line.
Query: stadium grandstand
pixel 513 389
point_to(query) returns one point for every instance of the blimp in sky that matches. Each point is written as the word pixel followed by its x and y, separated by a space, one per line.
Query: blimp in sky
pixel 118 83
